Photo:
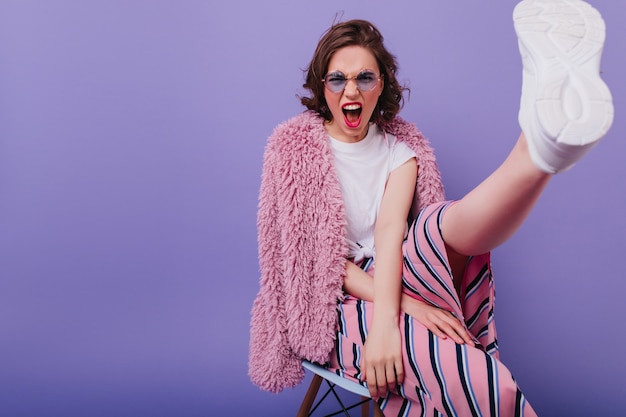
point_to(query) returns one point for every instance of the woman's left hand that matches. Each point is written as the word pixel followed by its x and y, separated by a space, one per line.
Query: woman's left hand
pixel 382 359
pixel 441 323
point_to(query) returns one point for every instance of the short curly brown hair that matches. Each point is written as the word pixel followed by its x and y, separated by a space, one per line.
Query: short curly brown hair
pixel 354 33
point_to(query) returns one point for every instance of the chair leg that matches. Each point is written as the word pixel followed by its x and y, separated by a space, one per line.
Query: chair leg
pixel 309 398
pixel 377 410
pixel 365 407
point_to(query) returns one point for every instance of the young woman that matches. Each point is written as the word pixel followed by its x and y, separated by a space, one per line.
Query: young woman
pixel 406 307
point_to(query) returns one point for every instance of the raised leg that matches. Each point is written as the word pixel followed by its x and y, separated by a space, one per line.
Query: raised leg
pixel 565 110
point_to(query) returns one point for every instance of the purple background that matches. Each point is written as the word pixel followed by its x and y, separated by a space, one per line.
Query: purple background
pixel 131 140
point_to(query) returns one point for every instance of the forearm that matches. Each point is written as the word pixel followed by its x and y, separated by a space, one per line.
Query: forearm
pixel 358 283
pixel 388 237
pixel 388 272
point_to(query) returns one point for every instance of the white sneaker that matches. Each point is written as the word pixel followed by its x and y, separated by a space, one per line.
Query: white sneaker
pixel 565 108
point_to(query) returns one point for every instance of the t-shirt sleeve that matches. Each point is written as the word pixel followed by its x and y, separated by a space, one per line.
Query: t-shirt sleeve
pixel 400 154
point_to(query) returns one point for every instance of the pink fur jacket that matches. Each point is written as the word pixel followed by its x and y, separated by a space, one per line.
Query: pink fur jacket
pixel 302 249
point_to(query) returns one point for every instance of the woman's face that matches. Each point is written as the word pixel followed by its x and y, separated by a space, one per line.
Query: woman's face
pixel 352 107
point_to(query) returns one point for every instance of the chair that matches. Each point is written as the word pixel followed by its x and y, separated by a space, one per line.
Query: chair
pixel 332 380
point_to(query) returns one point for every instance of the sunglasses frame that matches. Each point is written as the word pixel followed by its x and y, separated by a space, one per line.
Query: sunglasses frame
pixel 356 79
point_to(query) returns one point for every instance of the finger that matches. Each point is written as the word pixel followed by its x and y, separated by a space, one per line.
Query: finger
pixel 452 332
pixel 399 368
pixel 462 332
pixel 436 331
pixel 364 369
pixel 371 383
pixel 453 328
pixel 381 382
pixel 391 380
pixel 468 338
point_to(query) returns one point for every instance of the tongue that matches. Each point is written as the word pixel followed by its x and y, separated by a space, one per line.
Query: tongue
pixel 353 116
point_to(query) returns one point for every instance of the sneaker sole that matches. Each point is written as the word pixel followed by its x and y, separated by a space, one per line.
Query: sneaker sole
pixel 561 44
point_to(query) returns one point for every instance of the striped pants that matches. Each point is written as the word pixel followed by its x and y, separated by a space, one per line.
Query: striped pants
pixel 442 378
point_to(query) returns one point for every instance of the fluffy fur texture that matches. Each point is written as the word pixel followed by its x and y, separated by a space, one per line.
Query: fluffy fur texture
pixel 302 249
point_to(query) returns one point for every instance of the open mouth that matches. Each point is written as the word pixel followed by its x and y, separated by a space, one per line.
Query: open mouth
pixel 352 114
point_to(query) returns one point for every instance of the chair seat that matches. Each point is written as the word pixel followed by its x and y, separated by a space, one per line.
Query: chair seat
pixel 344 383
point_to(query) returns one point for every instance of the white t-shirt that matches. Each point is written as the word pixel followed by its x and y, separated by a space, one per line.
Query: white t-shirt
pixel 363 169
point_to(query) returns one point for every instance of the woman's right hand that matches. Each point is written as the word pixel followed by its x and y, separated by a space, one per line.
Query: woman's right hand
pixel 441 322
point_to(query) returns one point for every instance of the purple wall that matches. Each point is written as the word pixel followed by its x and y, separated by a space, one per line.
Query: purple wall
pixel 131 140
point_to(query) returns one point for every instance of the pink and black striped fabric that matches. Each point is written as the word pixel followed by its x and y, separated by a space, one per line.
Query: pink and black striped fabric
pixel 442 378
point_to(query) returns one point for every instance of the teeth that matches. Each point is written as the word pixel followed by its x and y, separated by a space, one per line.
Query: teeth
pixel 350 107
